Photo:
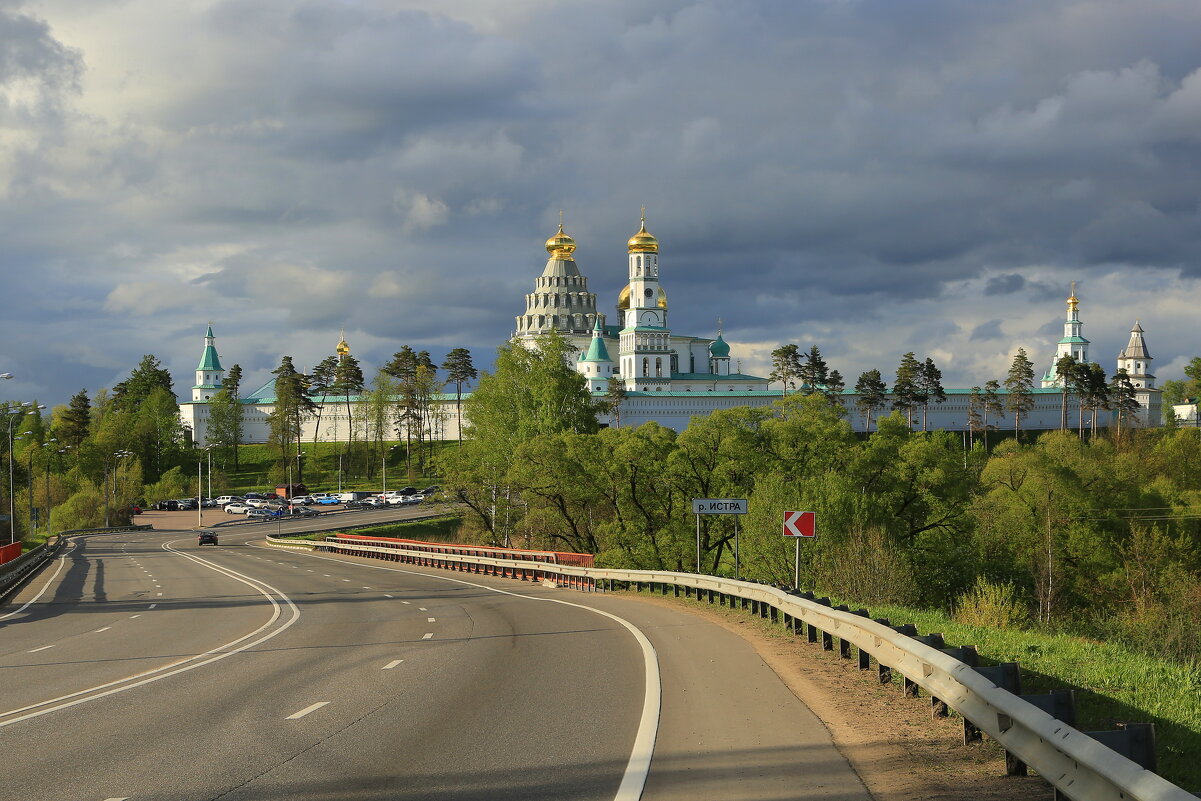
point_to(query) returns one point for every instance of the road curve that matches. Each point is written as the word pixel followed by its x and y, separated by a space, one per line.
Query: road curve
pixel 263 673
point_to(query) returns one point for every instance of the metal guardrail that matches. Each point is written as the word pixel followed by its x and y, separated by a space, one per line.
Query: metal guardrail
pixel 1074 763
pixel 16 571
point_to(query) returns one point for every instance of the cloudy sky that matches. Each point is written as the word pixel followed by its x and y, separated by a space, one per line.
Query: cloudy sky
pixel 871 177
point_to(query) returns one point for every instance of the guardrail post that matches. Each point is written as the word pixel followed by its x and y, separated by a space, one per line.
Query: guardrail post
pixel 844 647
pixel 865 659
pixel 911 687
pixel 1007 676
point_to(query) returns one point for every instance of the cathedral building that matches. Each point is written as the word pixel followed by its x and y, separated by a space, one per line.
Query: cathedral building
pixel 668 377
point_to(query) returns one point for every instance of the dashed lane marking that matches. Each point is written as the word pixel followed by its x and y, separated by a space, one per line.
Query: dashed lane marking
pixel 306 710
pixel 386 595
pixel 392 664
pixel 131 617
pixel 427 635
pixel 43 648
pixel 430 620
pixel 153 605
pixel 106 628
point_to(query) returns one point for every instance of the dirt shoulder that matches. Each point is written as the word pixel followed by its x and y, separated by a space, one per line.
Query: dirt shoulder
pixel 899 751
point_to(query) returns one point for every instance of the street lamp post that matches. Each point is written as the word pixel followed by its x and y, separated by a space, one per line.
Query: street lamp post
pixel 118 455
pixel 49 504
pixel 15 413
pixel 384 460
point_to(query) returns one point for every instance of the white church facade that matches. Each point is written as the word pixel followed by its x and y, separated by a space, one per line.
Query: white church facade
pixel 667 377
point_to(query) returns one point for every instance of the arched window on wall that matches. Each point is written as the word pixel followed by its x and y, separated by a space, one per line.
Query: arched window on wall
pixel 658 368
pixel 646 366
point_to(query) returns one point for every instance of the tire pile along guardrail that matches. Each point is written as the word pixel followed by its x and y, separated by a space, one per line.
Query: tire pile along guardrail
pixel 1078 765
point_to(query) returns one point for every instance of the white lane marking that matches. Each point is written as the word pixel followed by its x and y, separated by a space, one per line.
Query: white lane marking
pixel 62 560
pixel 122 798
pixel 430 620
pixel 392 664
pixel 366 588
pixel 179 666
pixel 325 574
pixel 306 710
pixel 158 593
pixel 106 628
pixel 422 608
pixel 386 595
pixel 427 635
pixel 43 648
pixel 639 764
pixel 404 602
pixel 346 579
pixel 131 617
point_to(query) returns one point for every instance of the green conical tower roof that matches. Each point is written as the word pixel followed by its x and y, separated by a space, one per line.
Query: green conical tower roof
pixel 209 359
pixel 597 352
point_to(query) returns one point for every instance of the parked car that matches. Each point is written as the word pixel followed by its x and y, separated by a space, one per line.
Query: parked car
pixel 237 508
pixel 256 503
pixel 186 504
pixel 206 538
pixel 250 495
pixel 166 506
pixel 225 500
pixel 396 500
pixel 328 501
pixel 302 500
pixel 208 503
pixel 299 511
pixel 260 514
pixel 366 503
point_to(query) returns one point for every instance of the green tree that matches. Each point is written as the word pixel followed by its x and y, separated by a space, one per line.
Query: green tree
pixel 459 371
pixel 322 382
pixel 348 382
pixel 975 413
pixel 929 381
pixel 225 422
pixel 1095 392
pixel 1066 369
pixel 286 420
pixel 615 396
pixel 76 421
pixel 1123 400
pixel 906 392
pixel 814 373
pixel 145 378
pixel 992 405
pixel 1019 386
pixel 834 387
pixel 873 394
pixel 785 366
pixel 232 385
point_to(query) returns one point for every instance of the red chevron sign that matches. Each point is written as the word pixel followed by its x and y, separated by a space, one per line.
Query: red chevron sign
pixel 800 524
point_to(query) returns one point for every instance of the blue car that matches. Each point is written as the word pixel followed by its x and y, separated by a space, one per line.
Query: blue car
pixel 327 501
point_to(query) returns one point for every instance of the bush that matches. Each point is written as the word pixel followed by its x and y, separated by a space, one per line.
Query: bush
pixel 995 605
pixel 867 568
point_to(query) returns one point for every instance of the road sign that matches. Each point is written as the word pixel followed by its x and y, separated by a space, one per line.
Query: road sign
pixel 800 524
pixel 719 506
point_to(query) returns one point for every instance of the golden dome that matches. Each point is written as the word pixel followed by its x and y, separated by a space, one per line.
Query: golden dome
pixel 642 242
pixel 623 299
pixel 343 348
pixel 560 245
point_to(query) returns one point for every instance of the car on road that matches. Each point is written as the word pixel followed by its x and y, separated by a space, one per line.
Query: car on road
pixel 236 508
pixel 206 538
pixel 260 514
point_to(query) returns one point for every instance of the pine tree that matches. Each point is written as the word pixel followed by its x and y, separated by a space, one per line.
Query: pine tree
pixel 785 365
pixel 813 374
pixel 1065 369
pixel 906 394
pixel 459 370
pixel 321 381
pixel 292 406
pixel 615 395
pixel 232 385
pixel 992 405
pixel 872 394
pixel 148 375
pixel 76 420
pixel 1020 384
pixel 348 381
pixel 1096 392
pixel 1122 398
pixel 929 381
pixel 834 387
pixel 975 405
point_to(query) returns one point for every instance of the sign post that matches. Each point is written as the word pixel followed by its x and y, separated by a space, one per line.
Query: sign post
pixel 719 506
pixel 799 525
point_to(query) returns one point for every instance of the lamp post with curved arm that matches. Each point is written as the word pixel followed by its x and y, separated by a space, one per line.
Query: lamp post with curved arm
pixel 118 455
pixel 49 503
pixel 15 413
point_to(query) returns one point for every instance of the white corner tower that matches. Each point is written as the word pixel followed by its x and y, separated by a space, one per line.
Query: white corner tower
pixel 209 373
pixel 1072 344
pixel 645 344
pixel 1136 360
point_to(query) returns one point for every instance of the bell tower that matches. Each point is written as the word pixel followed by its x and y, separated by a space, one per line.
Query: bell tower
pixel 209 373
pixel 645 344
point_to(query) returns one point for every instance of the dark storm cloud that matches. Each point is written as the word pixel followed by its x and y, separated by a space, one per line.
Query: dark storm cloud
pixel 843 171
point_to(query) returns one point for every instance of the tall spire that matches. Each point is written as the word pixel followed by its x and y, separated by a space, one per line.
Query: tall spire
pixel 343 348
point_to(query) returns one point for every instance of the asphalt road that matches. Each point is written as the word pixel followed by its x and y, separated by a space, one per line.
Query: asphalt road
pixel 139 666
